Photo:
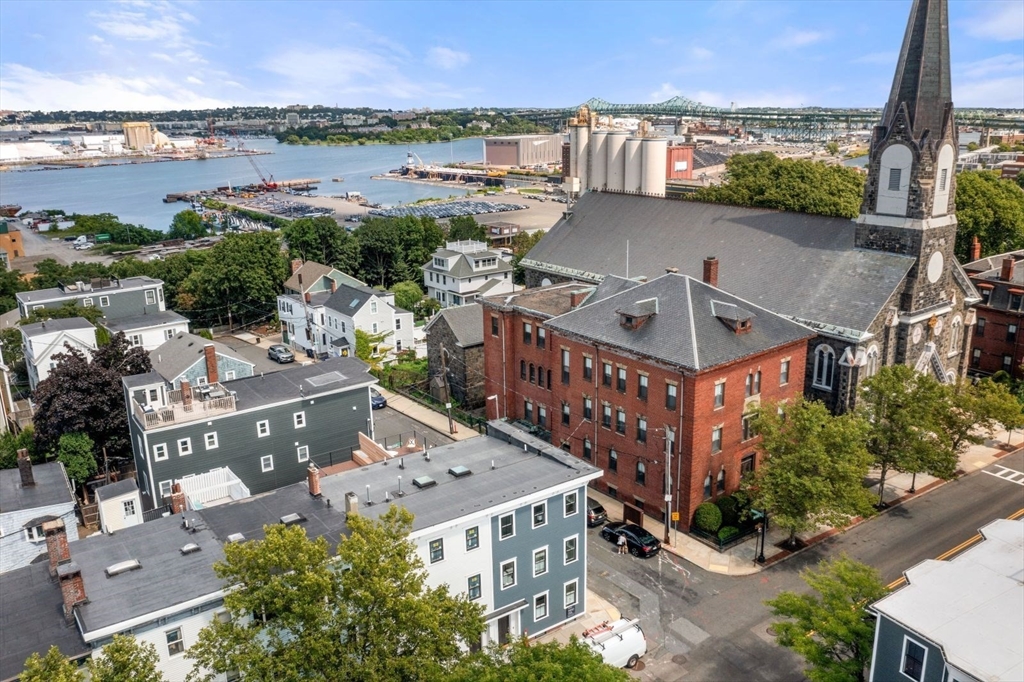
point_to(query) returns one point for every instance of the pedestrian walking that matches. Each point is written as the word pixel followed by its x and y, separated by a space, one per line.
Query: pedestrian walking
pixel 621 542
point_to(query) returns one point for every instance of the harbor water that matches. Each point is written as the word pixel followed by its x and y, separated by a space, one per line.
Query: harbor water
pixel 135 192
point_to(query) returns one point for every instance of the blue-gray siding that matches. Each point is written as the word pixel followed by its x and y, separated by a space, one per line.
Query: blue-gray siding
pixel 522 546
pixel 225 364
pixel 888 654
pixel 122 303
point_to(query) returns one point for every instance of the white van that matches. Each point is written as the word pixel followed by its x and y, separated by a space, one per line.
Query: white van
pixel 620 643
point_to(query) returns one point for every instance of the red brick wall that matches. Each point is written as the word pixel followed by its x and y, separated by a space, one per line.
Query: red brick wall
pixel 993 342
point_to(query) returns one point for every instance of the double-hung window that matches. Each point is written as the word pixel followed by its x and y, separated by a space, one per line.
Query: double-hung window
pixel 436 550
pixel 507 526
pixel 540 562
pixel 527 333
pixel 540 514
pixel 641 429
pixel 570 548
pixel 472 538
pixel 263 428
pixel 184 446
pixel 720 394
pixel 620 384
pixel 588 367
pixel 641 389
pixel 588 408
pixel 565 366
pixel 606 373
pixel 606 416
pixel 300 419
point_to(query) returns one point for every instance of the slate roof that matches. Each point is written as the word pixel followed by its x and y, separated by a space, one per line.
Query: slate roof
pixel 685 331
pixel 51 488
pixel 466 323
pixel 515 473
pixel 32 619
pixel 50 326
pixel 799 265
pixel 971 606
pixel 127 324
pixel 312 273
pixel 176 355
pixel 348 300
pixel 112 490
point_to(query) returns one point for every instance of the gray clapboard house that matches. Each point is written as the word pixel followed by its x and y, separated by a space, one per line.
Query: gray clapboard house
pixel 116 298
pixel 265 428
pixel 187 357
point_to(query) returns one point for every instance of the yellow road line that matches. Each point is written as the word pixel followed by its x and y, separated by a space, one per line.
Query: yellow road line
pixel 959 548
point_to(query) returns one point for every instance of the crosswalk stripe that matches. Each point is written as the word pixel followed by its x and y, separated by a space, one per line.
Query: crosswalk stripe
pixel 1011 475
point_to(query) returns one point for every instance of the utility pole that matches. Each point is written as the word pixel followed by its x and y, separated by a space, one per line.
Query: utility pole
pixel 447 389
pixel 669 441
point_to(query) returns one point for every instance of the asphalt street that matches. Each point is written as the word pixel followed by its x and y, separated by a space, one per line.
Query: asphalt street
pixel 710 627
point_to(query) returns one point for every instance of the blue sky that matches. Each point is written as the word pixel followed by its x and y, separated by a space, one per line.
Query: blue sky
pixel 169 55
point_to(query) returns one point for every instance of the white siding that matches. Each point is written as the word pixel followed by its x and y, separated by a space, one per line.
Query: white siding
pixel 16 550
pixel 112 512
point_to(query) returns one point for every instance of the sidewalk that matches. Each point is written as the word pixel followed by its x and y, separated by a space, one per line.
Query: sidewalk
pixel 739 560
pixel 426 416
pixel 598 611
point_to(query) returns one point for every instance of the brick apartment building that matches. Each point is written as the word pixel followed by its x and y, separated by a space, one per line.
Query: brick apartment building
pixel 998 342
pixel 625 372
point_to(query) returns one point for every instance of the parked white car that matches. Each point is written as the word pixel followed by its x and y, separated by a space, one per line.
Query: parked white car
pixel 620 643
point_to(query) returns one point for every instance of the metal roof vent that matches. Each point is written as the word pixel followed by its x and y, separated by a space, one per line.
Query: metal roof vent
pixel 190 548
pixel 459 471
pixel 123 567
pixel 424 482
pixel 292 519
pixel 236 537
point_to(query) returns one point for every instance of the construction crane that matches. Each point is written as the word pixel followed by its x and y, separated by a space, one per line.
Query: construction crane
pixel 266 184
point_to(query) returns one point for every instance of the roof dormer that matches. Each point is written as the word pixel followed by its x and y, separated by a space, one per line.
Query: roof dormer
pixel 635 315
pixel 740 320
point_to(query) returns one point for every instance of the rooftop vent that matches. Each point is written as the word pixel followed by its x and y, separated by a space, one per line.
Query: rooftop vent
pixel 459 471
pixel 236 537
pixel 324 379
pixel 190 548
pixel 424 482
pixel 292 519
pixel 123 567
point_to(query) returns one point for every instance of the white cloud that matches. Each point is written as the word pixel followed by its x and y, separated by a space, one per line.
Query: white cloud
pixel 751 99
pixel 194 80
pixel 1005 93
pixel 998 21
pixel 997 64
pixel 96 39
pixel 665 92
pixel 701 53
pixel 162 57
pixel 793 38
pixel 26 88
pixel 446 58
pixel 881 58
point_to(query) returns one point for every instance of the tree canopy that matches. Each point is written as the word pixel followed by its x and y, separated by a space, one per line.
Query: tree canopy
pixel 75 452
pixel 53 667
pixel 407 295
pixel 187 225
pixel 126 659
pixel 831 629
pixel 814 466
pixel 524 661
pixel 991 209
pixel 321 239
pixel 465 227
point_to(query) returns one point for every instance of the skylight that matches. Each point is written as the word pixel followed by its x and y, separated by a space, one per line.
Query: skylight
pixel 123 567
pixel 459 471
pixel 292 519
pixel 190 548
pixel 424 482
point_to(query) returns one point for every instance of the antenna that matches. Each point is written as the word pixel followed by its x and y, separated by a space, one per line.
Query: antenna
pixel 627 259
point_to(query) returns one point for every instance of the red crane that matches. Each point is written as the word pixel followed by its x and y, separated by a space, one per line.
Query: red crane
pixel 266 183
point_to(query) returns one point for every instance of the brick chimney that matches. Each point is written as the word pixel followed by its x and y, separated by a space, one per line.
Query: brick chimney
pixel 177 499
pixel 576 298
pixel 313 477
pixel 334 286
pixel 211 363
pixel 711 271
pixel 186 392
pixel 56 544
pixel 296 264
pixel 25 467
pixel 1006 274
pixel 308 297
pixel 72 588
pixel 975 248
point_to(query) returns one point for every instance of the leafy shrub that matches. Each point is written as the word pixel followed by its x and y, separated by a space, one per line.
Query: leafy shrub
pixel 708 517
pixel 742 505
pixel 728 533
pixel 729 509
pixel 205 333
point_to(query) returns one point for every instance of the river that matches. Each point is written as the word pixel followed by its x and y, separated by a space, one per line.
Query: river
pixel 135 192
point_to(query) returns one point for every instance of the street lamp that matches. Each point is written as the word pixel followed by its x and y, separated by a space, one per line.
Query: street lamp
pixel 763 516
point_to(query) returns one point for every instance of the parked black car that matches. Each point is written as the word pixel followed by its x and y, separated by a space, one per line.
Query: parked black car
pixel 377 401
pixel 638 540
pixel 596 514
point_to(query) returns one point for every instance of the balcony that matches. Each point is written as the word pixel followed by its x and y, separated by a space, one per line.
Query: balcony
pixel 202 402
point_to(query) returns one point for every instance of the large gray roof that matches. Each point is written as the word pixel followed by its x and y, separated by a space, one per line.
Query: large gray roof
pixel 347 300
pixel 50 326
pixel 127 324
pixel 461 266
pixel 176 355
pixel 98 287
pixel 688 330
pixel 466 323
pixel 51 488
pixel 515 473
pixel 303 381
pixel 799 265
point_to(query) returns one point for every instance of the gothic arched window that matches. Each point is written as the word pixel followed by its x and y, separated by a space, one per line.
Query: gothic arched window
pixel 824 366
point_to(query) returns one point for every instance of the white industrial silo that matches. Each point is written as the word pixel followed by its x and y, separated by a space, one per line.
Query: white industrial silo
pixel 574 145
pixel 598 160
pixel 634 165
pixel 655 151
pixel 615 151
pixel 583 156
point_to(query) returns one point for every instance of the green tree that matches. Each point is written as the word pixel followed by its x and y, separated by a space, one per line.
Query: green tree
pixel 814 466
pixel 381 254
pixel 991 209
pixel 322 240
pixel 968 412
pixel 902 408
pixel 53 667
pixel 832 148
pixel 427 307
pixel 10 284
pixel 75 452
pixel 1020 180
pixel 521 245
pixel 463 227
pixel 187 225
pixel 50 273
pixel 65 311
pixel 523 661
pixel 126 659
pixel 831 629
pixel 11 442
pixel 407 295
pixel 370 348
pixel 763 180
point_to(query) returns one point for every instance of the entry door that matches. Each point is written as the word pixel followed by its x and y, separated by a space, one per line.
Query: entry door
pixel 632 514
pixel 129 513
pixel 504 625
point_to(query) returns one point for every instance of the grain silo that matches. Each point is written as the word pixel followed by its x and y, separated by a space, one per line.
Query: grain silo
pixel 615 153
pixel 633 175
pixel 598 160
pixel 655 153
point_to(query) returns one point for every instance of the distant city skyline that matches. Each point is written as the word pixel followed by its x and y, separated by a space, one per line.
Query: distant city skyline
pixel 160 55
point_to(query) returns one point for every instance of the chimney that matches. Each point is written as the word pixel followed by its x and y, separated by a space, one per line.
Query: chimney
pixel 296 264
pixel 307 296
pixel 351 503
pixel 72 588
pixel 186 392
pixel 25 467
pixel 672 271
pixel 334 286
pixel 211 363
pixel 56 544
pixel 576 298
pixel 177 499
pixel 1006 274
pixel 975 248
pixel 313 477
pixel 711 271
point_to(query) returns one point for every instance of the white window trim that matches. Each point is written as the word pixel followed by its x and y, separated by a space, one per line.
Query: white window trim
pixel 187 450
pixel 160 488
pixel 150 293
pixel 903 657
pixel 104 301
pixel 206 440
pixel 565 585
pixel 501 574
pixel 229 375
pixel 533 517
pixel 822 351
pixel 564 544
pixel 547 605
pixel 35 534
pixel 260 425
pixel 509 537
pixel 180 640
pixel 547 561
pixel 565 497
pixel 157 447
pixel 299 419
pixel 302 452
pixel 263 463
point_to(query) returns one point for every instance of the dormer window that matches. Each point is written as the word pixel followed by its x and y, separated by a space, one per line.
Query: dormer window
pixel 635 315
pixel 441 263
pixel 736 318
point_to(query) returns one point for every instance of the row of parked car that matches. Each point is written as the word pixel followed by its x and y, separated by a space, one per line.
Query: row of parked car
pixel 639 542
